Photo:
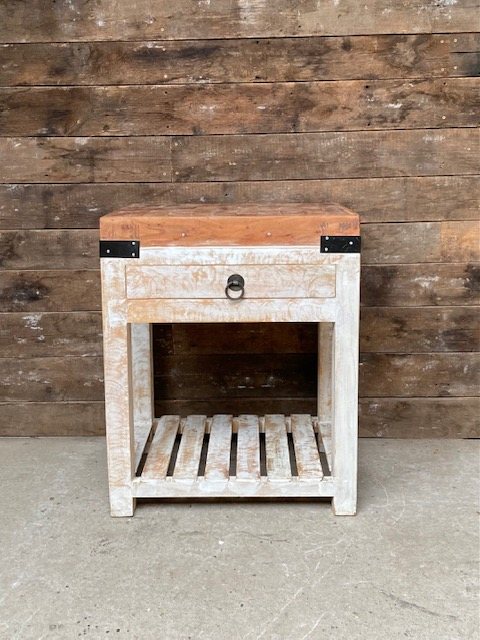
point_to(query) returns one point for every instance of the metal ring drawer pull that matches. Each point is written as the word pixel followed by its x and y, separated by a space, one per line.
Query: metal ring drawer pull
pixel 235 283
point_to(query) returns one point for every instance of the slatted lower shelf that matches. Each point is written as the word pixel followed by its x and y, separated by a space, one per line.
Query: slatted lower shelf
pixel 244 456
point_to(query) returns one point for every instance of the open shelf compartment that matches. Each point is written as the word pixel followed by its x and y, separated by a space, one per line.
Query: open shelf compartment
pixel 226 456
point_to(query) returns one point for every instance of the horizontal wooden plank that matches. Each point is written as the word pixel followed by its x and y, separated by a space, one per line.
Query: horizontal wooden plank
pixel 60 290
pixel 379 417
pixel 382 285
pixel 396 330
pixel 234 375
pixel 354 154
pixel 420 285
pixel 440 374
pixel 400 243
pixel 52 419
pixel 239 108
pixel 134 159
pixel 109 20
pixel 51 334
pixel 53 379
pixel 74 206
pixel 405 243
pixel 417 330
pixel 419 417
pixel 292 375
pixel 242 60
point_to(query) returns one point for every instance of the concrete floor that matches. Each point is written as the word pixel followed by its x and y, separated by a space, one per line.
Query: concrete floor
pixel 404 567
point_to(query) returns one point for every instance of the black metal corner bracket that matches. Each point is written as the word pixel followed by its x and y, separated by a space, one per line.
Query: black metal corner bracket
pixel 339 244
pixel 119 248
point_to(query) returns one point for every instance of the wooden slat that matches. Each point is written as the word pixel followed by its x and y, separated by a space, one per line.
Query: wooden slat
pixel 79 206
pixel 239 108
pixel 217 466
pixel 188 458
pixel 325 431
pixel 134 159
pixel 109 20
pixel 233 489
pixel 276 447
pixel 354 154
pixel 248 447
pixel 158 458
pixel 306 450
pixel 141 435
pixel 269 60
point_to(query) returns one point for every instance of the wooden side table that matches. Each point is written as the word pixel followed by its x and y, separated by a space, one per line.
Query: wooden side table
pixel 219 263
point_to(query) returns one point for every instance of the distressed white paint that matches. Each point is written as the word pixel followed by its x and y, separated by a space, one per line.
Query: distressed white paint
pixel 128 374
pixel 209 281
pixel 118 388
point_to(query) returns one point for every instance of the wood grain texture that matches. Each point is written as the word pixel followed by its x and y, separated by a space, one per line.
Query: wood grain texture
pixel 241 60
pixel 108 20
pixel 59 290
pixel 229 225
pixel 156 465
pixel 33 419
pixel 38 334
pixel 135 159
pixel 355 154
pixel 421 285
pixel 79 206
pixel 440 374
pixel 51 379
pixel 239 108
pixel 420 417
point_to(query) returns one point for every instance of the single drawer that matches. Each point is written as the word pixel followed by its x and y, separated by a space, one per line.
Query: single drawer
pixel 210 281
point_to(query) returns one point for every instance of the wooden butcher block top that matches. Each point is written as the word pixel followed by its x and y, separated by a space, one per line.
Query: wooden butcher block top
pixel 229 225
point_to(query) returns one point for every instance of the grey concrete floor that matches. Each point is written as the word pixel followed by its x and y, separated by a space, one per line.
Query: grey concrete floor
pixel 404 567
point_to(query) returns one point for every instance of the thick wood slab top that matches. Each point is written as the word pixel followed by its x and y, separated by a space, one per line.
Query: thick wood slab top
pixel 229 225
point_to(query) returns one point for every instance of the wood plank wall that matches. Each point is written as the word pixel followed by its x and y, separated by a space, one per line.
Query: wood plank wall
pixel 372 104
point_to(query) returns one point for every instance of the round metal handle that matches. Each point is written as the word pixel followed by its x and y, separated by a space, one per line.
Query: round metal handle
pixel 236 285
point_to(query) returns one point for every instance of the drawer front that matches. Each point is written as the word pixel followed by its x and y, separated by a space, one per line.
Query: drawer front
pixel 210 281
